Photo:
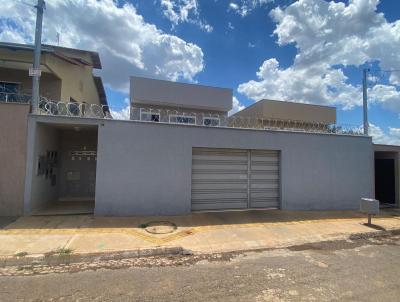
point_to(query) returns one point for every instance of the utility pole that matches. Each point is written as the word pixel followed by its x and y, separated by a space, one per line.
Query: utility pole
pixel 365 100
pixel 37 54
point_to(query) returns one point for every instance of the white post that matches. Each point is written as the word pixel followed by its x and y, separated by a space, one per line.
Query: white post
pixel 365 101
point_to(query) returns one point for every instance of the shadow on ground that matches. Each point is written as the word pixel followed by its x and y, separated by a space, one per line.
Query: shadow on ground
pixel 6 220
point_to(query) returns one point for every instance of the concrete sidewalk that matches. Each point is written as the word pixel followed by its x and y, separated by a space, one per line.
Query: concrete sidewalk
pixel 198 232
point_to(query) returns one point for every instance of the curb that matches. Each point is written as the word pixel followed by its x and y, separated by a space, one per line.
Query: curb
pixel 55 259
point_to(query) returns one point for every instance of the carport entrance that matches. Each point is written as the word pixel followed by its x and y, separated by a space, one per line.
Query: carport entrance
pixel 224 179
pixel 64 176
pixel 387 175
pixel 385 181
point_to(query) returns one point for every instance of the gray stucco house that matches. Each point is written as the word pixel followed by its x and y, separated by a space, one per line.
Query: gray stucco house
pixel 181 152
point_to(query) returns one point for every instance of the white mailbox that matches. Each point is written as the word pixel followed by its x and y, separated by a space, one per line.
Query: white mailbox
pixel 370 207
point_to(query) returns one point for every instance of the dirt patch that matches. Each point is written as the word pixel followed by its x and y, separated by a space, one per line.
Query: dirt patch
pixel 353 242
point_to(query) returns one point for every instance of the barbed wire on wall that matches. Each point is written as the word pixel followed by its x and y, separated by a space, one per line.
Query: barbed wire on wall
pixel 151 114
pixel 73 109
pixel 188 117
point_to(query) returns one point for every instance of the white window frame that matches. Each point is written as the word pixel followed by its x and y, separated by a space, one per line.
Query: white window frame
pixel 182 116
pixel 144 111
pixel 212 118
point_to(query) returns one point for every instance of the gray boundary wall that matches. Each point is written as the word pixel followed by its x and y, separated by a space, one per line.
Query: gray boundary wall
pixel 145 168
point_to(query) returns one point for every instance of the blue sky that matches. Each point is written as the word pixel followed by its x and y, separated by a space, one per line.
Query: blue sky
pixel 306 50
pixel 233 55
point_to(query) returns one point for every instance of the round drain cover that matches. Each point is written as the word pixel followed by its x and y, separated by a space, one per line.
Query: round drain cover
pixel 160 227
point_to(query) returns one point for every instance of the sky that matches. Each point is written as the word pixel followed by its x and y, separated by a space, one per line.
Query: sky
pixel 310 51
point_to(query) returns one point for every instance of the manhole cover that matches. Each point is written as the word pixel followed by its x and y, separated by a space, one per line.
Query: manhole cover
pixel 160 227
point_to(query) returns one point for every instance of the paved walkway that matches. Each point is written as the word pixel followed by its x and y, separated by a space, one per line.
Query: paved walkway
pixel 200 232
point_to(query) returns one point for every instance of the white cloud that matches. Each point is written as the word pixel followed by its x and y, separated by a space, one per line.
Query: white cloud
pixel 306 85
pixel 184 11
pixel 127 44
pixel 230 26
pixel 385 95
pixel 328 35
pixel 380 137
pixel 233 6
pixel 236 106
pixel 245 7
pixel 121 112
pixel 251 45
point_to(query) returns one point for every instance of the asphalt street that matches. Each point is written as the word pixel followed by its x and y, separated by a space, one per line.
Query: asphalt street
pixel 361 270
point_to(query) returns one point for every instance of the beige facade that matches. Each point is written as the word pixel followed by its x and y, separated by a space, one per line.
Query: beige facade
pixel 270 113
pixel 50 85
pixel 67 74
pixel 13 142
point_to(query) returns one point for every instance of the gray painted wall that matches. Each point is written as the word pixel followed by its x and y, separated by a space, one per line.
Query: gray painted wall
pixel 145 168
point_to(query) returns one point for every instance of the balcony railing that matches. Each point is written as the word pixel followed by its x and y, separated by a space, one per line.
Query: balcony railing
pixel 10 97
pixel 185 117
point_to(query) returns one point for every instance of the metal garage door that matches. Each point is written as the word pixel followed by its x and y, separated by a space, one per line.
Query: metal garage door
pixel 264 179
pixel 219 179
pixel 234 179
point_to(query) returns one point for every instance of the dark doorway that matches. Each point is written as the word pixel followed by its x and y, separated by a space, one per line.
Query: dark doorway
pixel 385 181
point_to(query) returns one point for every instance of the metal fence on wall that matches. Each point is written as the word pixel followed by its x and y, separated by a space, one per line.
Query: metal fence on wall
pixel 161 115
pixel 196 118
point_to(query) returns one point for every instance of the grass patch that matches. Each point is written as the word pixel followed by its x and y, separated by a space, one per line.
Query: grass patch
pixel 143 225
pixel 21 254
pixel 64 251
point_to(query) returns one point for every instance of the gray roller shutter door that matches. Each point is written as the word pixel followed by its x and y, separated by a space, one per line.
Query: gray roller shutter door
pixel 264 179
pixel 234 179
pixel 219 179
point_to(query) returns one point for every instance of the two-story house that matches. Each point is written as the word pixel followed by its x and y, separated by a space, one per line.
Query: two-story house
pixel 66 76
pixel 68 87
pixel 179 103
